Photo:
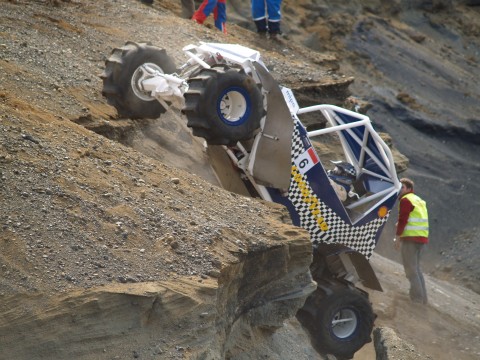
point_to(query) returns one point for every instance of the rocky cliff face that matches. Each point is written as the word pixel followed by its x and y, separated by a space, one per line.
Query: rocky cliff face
pixel 111 251
pixel 257 283
pixel 99 244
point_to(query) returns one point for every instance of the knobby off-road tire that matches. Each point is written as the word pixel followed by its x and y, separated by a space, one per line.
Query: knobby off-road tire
pixel 123 70
pixel 342 321
pixel 223 106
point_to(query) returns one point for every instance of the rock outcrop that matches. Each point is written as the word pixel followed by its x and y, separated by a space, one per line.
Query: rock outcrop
pixel 257 288
pixel 112 252
pixel 389 346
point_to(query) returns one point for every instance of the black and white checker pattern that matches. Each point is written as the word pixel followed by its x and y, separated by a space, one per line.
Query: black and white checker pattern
pixel 346 167
pixel 360 238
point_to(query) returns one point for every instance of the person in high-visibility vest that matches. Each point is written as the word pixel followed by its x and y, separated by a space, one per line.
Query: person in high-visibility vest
pixel 411 238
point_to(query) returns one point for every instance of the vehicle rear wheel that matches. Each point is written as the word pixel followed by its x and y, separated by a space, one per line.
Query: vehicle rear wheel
pixel 124 71
pixel 342 321
pixel 223 106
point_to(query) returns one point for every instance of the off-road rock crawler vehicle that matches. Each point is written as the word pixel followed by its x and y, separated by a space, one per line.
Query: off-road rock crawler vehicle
pixel 231 100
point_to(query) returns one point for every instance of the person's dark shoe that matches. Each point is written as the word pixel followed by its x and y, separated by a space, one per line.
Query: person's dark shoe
pixel 419 301
pixel 274 27
pixel 148 2
pixel 276 36
pixel 262 34
pixel 261 25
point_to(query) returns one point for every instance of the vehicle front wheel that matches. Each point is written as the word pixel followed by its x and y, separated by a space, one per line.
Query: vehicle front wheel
pixel 223 106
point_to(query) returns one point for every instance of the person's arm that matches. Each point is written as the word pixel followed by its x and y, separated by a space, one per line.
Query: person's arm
pixel 405 209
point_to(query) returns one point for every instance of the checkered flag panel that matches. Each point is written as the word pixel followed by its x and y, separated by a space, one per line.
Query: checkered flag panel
pixel 324 224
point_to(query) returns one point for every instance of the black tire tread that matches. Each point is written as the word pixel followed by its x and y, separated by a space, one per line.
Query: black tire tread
pixel 325 300
pixel 206 124
pixel 119 67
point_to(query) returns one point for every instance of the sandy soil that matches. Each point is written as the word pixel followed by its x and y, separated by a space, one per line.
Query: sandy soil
pixel 51 53
pixel 447 328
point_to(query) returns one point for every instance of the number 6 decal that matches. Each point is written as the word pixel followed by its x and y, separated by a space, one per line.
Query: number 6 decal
pixel 303 163
pixel 306 160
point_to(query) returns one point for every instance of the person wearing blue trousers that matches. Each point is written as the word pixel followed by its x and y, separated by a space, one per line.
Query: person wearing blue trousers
pixel 267 16
pixel 219 9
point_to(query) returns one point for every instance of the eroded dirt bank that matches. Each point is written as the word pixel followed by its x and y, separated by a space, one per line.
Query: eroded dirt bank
pixel 93 230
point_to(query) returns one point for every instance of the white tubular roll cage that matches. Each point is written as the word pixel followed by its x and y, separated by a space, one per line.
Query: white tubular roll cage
pixel 384 162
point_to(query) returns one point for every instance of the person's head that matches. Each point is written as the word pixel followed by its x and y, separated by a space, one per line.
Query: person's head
pixel 407 186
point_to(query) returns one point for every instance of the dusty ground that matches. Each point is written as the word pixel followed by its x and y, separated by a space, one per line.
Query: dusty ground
pixel 445 329
pixel 79 210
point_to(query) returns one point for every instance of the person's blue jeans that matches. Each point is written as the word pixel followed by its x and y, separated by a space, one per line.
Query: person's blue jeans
pixel 260 10
pixel 411 255
pixel 267 15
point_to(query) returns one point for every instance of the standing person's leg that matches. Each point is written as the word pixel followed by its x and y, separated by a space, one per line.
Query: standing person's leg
pixel 205 9
pixel 220 15
pixel 274 16
pixel 259 16
pixel 188 8
pixel 410 263
pixel 421 248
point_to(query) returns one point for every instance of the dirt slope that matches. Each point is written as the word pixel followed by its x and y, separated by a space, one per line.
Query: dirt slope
pixel 446 329
pixel 81 211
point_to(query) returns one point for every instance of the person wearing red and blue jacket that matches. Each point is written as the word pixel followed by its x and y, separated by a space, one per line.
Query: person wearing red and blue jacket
pixel 267 16
pixel 219 9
